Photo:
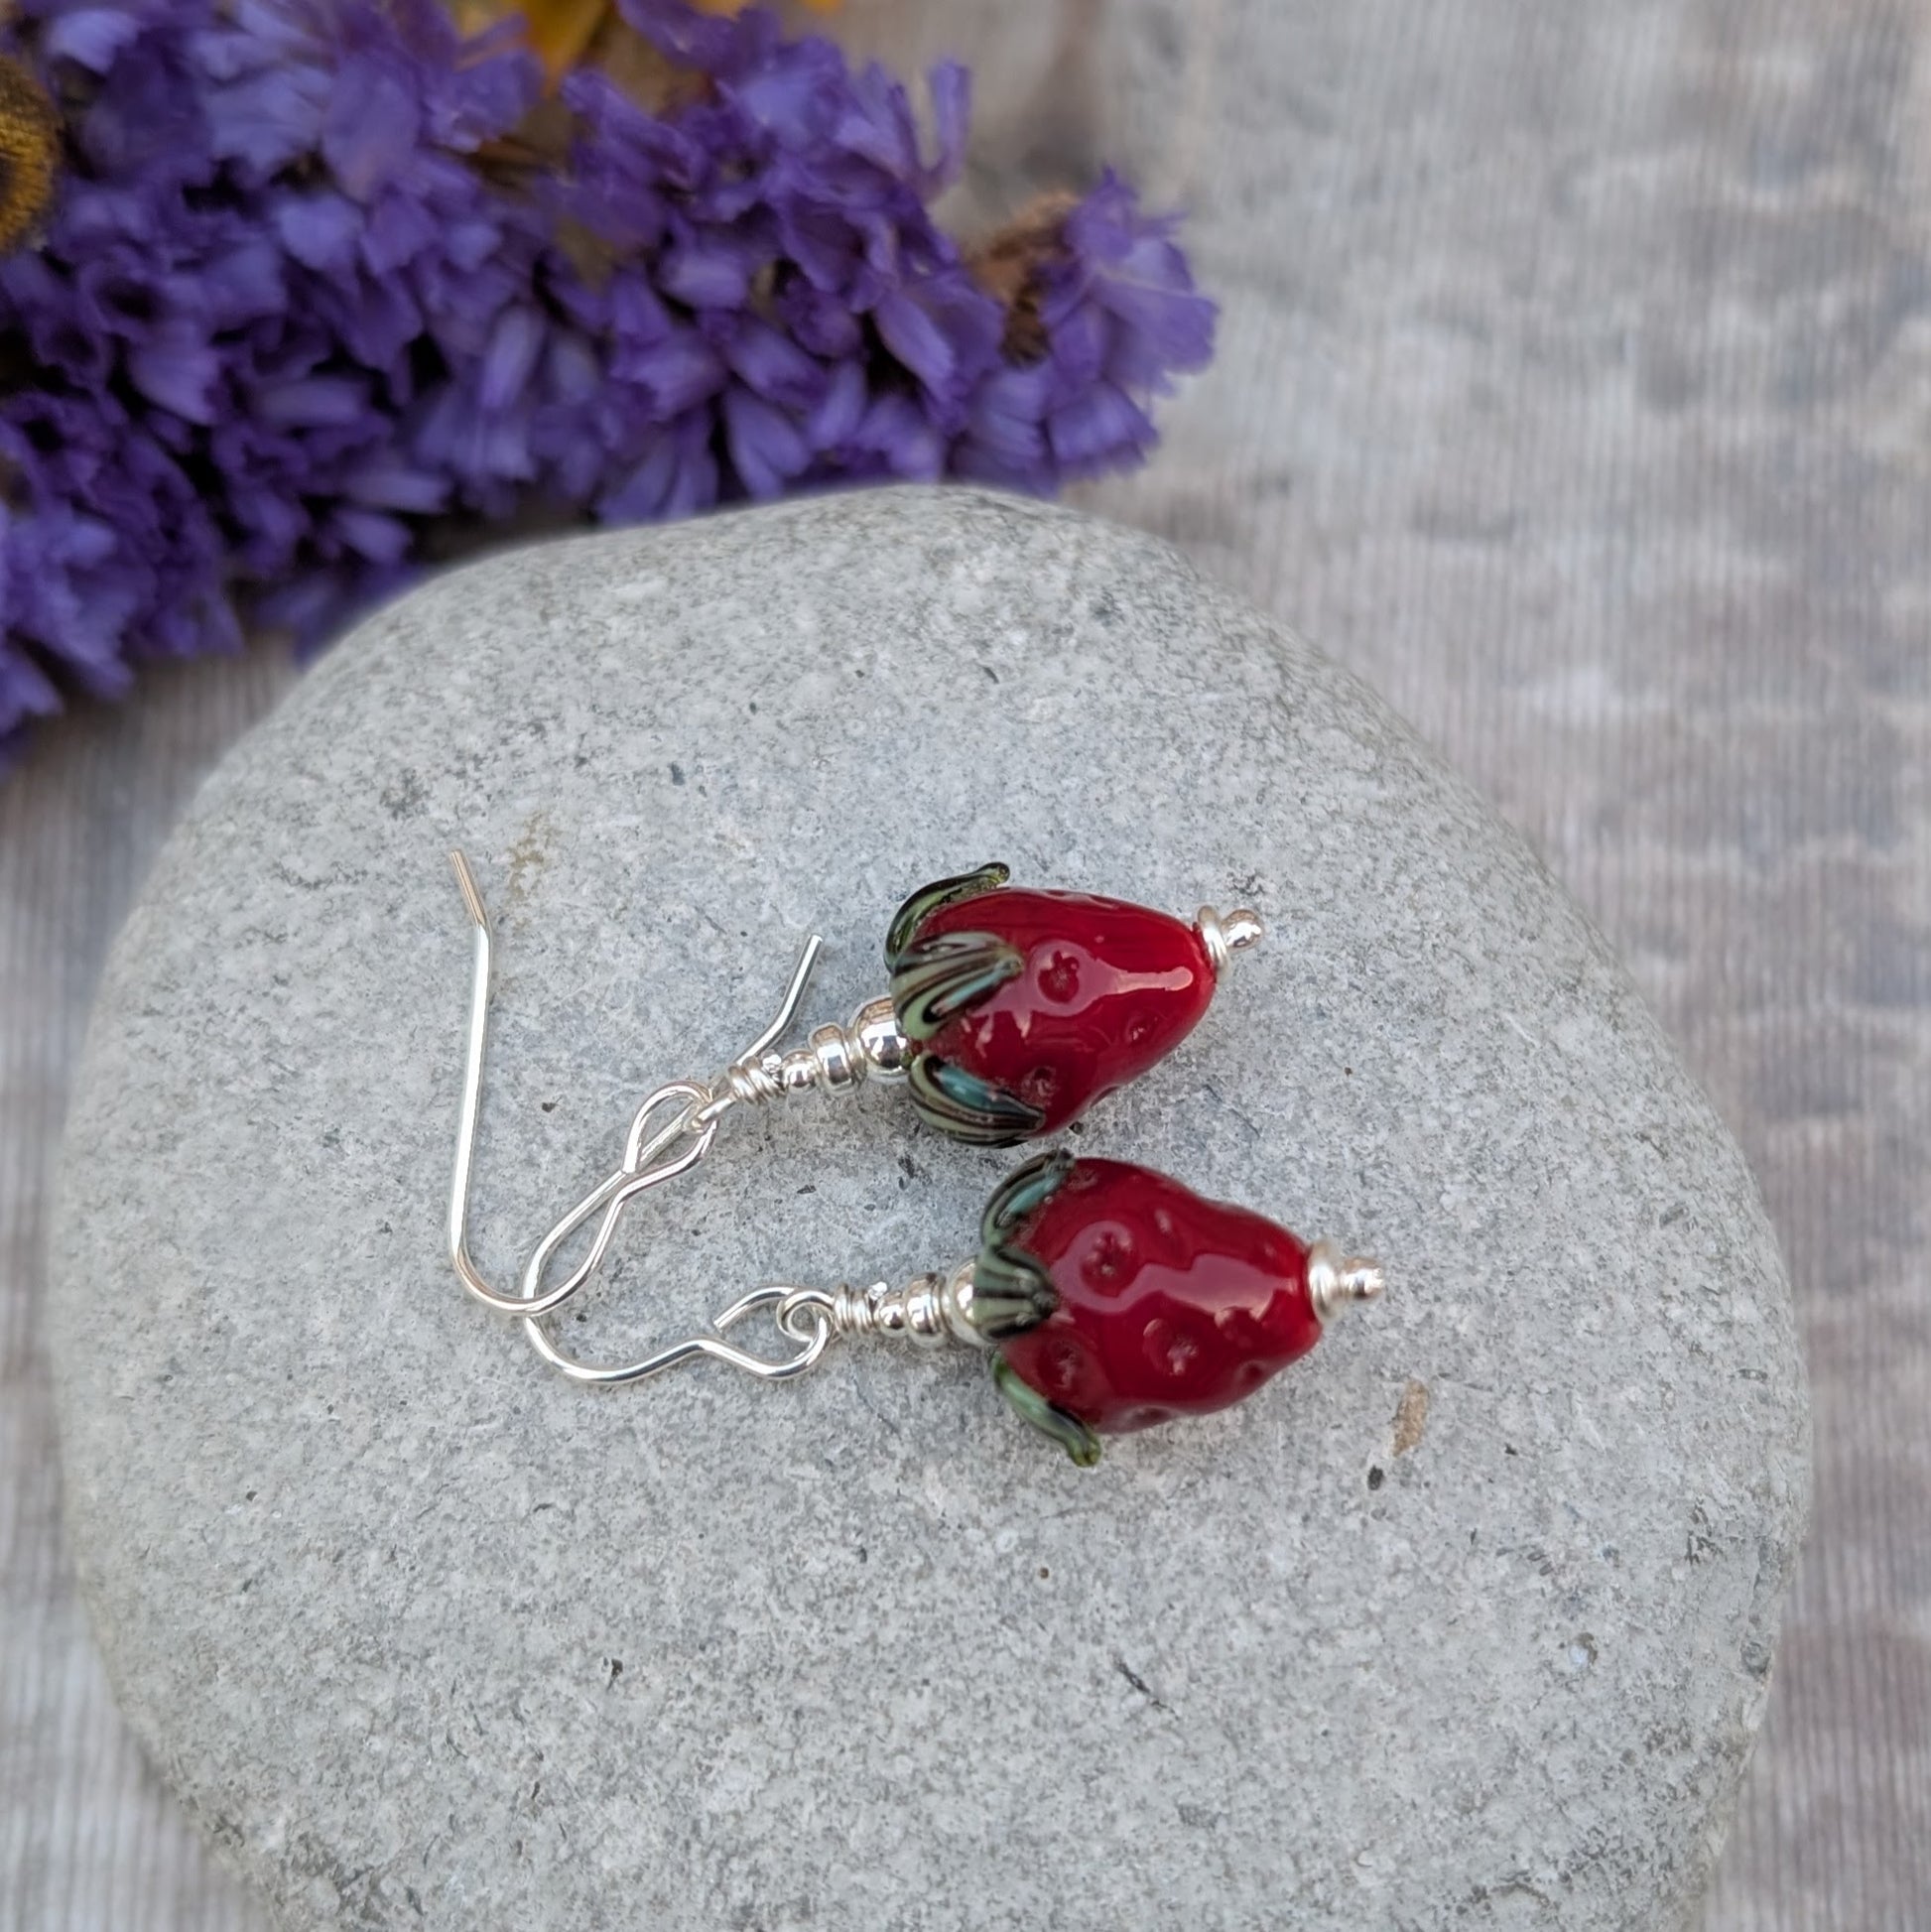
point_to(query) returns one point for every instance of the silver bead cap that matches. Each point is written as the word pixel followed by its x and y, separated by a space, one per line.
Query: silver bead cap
pixel 1336 1282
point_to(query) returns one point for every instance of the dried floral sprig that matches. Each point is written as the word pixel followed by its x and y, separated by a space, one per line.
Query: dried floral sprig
pixel 320 280
pixel 30 151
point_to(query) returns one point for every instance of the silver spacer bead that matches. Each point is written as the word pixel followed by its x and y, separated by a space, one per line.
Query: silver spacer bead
pixel 929 1311
pixel 1336 1282
pixel 841 1061
pixel 1229 933
pixel 835 1059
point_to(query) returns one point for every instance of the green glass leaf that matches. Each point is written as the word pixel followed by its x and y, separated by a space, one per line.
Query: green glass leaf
pixel 929 898
pixel 1011 1293
pixel 1025 1189
pixel 1029 1406
pixel 967 1107
pixel 938 978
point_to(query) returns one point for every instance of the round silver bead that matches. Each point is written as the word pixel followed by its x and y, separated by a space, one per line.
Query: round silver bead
pixel 798 1071
pixel 874 1029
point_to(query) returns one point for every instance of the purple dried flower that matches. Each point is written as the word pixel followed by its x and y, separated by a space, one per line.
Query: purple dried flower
pixel 798 290
pixel 194 309
pixel 1103 315
pixel 280 317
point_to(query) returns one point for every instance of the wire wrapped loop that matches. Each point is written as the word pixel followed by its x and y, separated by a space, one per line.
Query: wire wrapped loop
pixel 669 1135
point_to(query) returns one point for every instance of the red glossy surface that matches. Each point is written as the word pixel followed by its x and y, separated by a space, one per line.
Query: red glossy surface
pixel 1169 1304
pixel 1108 989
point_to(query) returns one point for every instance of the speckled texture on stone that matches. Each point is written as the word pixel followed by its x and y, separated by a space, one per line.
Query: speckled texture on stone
pixel 425 1636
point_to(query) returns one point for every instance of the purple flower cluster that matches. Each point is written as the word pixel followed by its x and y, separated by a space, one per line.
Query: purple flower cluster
pixel 300 300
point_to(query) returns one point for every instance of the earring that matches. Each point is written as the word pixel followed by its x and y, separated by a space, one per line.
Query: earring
pixel 1010 1012
pixel 1021 1008
pixel 1110 1298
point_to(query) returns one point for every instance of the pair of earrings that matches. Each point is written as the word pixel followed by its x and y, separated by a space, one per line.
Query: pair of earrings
pixel 1107 1297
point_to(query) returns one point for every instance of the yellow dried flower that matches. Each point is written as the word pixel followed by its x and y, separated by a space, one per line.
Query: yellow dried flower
pixel 30 151
pixel 560 31
pixel 563 33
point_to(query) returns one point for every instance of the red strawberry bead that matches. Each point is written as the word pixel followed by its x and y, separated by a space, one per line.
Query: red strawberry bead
pixel 1025 1006
pixel 1107 990
pixel 1168 1305
pixel 1120 1299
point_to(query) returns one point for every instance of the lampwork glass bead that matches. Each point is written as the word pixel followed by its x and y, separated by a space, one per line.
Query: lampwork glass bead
pixel 1025 1007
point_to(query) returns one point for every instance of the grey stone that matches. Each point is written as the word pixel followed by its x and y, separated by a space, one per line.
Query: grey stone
pixel 424 1635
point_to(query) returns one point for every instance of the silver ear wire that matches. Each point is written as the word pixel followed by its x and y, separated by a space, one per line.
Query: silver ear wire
pixel 686 1113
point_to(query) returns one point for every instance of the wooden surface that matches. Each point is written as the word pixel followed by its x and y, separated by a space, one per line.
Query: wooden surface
pixel 1576 388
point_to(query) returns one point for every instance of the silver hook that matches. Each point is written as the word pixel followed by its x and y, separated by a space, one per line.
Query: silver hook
pixel 659 1147
pixel 643 1165
pixel 776 1298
